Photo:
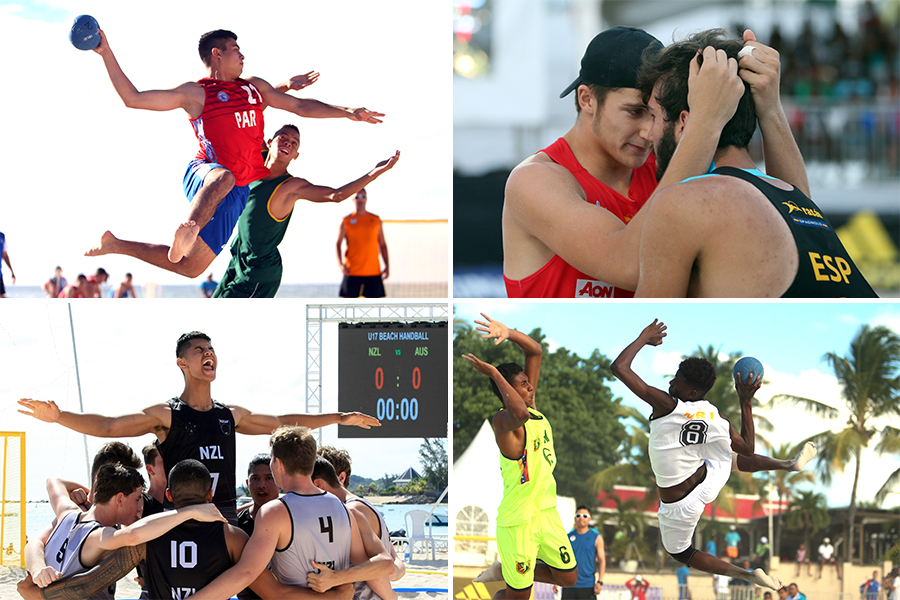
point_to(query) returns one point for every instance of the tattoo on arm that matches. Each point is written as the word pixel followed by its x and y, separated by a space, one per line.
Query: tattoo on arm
pixel 89 583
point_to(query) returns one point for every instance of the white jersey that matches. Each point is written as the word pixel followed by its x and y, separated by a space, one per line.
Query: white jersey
pixel 681 440
pixel 361 590
pixel 320 531
pixel 63 549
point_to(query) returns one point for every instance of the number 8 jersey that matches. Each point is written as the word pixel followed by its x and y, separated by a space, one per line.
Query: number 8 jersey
pixel 681 440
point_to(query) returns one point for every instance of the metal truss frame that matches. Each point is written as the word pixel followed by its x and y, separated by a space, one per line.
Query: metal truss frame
pixel 319 314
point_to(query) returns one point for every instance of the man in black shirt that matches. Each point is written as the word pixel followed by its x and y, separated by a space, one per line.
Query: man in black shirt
pixel 193 425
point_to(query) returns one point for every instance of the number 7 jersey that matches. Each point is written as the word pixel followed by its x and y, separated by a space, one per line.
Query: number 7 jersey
pixel 681 440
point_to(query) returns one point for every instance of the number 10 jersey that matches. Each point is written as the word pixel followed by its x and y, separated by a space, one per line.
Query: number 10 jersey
pixel 681 440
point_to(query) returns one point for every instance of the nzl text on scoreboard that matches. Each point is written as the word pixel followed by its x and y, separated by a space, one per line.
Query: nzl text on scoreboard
pixel 396 372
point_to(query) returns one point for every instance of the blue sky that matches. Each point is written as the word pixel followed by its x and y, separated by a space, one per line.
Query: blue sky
pixel 788 338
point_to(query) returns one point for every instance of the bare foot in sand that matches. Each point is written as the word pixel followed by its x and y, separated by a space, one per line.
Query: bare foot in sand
pixel 107 245
pixel 185 236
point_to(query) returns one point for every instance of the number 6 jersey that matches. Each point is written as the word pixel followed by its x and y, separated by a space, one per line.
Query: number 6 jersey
pixel 681 440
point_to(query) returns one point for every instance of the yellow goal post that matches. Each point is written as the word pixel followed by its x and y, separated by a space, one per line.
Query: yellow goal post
pixel 12 499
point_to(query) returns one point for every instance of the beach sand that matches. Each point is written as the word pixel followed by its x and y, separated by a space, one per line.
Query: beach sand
pixel 434 574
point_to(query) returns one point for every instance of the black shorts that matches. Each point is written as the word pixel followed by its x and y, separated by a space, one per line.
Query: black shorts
pixel 577 593
pixel 354 286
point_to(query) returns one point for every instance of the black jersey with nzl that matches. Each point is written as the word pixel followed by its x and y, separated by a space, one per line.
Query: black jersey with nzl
pixel 186 559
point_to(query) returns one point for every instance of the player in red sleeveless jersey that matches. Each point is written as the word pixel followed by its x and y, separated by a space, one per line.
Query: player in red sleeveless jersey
pixel 227 115
pixel 556 243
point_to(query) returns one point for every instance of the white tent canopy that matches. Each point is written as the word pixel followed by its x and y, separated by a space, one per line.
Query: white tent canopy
pixel 477 491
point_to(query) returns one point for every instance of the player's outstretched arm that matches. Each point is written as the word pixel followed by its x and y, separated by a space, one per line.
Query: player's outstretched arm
pixel 762 71
pixel 150 528
pixel 188 96
pixel 154 419
pixel 743 443
pixel 301 189
pixel 652 335
pixel 88 584
pixel 251 423
pixel 311 109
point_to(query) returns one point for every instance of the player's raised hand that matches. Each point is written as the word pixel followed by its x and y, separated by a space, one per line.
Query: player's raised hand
pixel 359 420
pixel 386 165
pixel 364 114
pixel 714 87
pixel 480 366
pixel 493 329
pixel 40 410
pixel 103 46
pixel 654 333
pixel 298 82
pixel 746 389
pixel 321 581
pixel 761 69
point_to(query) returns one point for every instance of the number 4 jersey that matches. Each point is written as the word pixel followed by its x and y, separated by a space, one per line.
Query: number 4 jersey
pixel 681 440
pixel 320 531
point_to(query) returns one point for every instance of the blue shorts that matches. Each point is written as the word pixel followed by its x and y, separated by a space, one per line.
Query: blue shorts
pixel 217 232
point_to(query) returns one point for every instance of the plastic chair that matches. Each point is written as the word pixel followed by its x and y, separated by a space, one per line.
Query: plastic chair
pixel 415 531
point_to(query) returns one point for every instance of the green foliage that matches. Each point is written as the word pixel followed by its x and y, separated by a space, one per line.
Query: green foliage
pixel 870 386
pixel 416 486
pixel 808 511
pixel 571 393
pixel 433 454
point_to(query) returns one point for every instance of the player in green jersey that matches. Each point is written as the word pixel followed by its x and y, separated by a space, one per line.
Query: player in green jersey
pixel 531 540
pixel 255 267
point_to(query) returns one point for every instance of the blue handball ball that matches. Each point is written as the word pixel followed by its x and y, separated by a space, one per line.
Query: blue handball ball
pixel 85 33
pixel 745 366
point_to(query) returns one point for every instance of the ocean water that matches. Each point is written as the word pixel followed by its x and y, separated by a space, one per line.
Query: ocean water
pixel 287 290
pixel 39 514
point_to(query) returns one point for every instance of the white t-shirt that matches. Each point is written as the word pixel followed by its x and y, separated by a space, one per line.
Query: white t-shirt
pixel 826 551
pixel 895 593
pixel 722 582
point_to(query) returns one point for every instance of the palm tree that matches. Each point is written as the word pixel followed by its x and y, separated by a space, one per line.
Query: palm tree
pixel 809 512
pixel 635 467
pixel 783 483
pixel 869 387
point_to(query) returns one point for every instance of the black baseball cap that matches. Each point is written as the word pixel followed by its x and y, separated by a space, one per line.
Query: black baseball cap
pixel 613 58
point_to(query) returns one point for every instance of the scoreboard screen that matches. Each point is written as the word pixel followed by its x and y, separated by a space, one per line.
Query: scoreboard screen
pixel 397 373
